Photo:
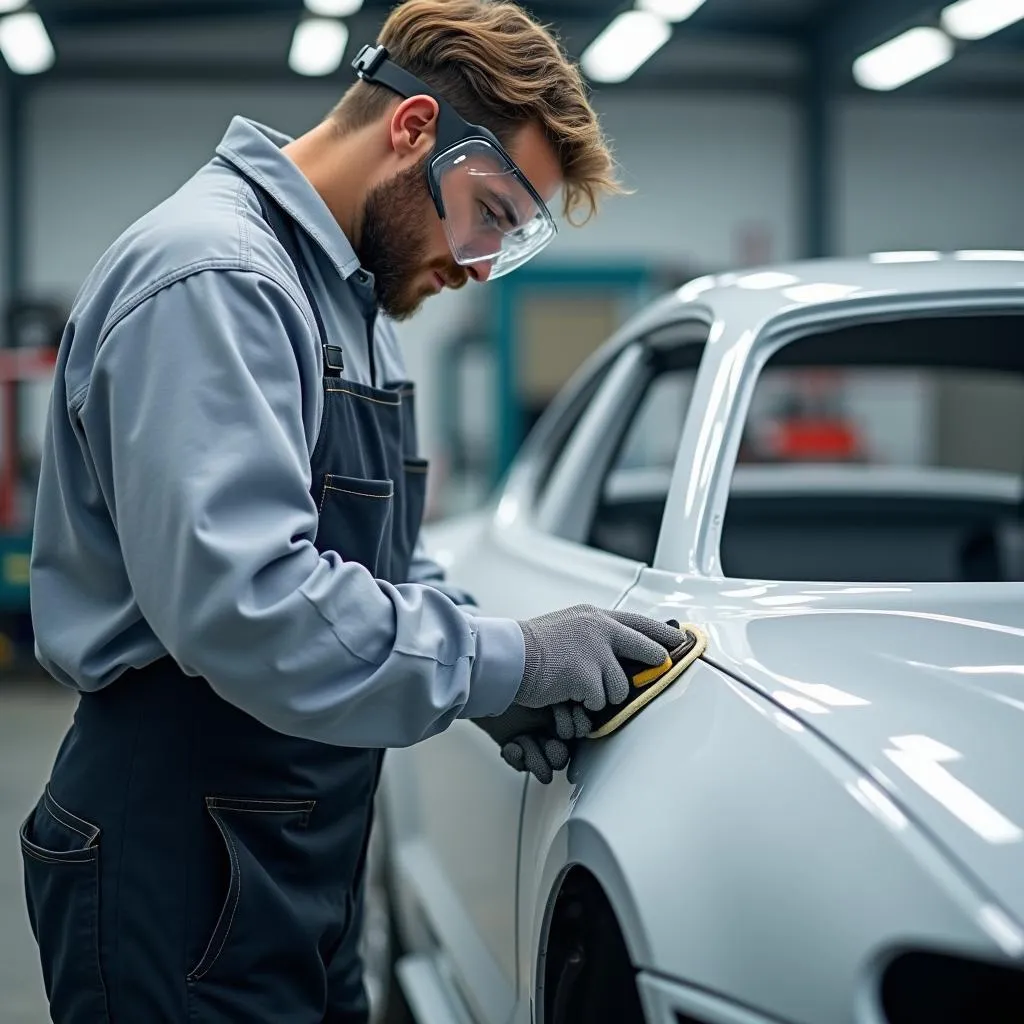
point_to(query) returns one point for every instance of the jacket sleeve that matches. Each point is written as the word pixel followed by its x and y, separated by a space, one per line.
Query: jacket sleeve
pixel 193 419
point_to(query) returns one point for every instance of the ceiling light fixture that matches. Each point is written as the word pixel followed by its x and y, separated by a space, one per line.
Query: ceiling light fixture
pixel 317 46
pixel 670 10
pixel 333 8
pixel 903 58
pixel 25 44
pixel 628 41
pixel 976 19
pixel 7 6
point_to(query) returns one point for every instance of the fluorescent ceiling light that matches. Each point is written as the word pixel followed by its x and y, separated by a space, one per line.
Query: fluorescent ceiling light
pixel 624 45
pixel 6 6
pixel 906 57
pixel 975 19
pixel 670 10
pixel 24 43
pixel 317 46
pixel 333 8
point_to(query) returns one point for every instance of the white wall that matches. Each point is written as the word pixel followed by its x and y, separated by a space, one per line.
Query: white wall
pixel 702 168
pixel 100 156
pixel 930 175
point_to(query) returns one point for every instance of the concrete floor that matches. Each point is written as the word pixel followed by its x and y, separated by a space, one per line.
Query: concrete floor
pixel 33 717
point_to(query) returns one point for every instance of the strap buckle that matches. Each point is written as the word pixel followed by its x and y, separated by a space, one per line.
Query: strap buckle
pixel 369 59
pixel 333 361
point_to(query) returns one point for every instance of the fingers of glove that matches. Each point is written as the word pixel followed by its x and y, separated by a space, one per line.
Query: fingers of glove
pixel 616 685
pixel 512 754
pixel 630 643
pixel 534 759
pixel 565 723
pixel 584 683
pixel 556 753
pixel 581 724
pixel 667 636
pixel 595 697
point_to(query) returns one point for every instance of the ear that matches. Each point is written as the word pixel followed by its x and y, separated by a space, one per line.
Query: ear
pixel 414 127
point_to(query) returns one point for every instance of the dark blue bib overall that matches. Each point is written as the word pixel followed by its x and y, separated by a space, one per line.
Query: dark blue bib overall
pixel 187 863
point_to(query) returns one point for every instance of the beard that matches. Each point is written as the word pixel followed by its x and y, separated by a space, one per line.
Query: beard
pixel 394 240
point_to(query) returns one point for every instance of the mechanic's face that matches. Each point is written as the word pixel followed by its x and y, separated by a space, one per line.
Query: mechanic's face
pixel 403 241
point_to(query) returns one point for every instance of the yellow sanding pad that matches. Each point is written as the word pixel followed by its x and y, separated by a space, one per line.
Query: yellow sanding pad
pixel 646 685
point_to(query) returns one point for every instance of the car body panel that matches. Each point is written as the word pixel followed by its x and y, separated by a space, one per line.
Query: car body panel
pixel 768 888
pixel 923 690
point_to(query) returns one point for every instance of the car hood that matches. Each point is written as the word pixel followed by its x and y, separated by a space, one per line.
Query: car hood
pixel 928 702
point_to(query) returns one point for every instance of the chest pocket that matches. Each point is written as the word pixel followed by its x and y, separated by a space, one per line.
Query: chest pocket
pixel 357 521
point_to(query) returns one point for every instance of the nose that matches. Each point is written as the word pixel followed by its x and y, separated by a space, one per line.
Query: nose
pixel 480 271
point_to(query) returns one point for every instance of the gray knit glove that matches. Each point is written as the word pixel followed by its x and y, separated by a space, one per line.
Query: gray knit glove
pixel 574 654
pixel 537 740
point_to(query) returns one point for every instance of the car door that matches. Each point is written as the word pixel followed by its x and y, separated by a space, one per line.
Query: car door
pixel 460 855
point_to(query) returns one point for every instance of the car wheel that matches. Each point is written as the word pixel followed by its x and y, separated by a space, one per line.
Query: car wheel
pixel 588 975
pixel 378 945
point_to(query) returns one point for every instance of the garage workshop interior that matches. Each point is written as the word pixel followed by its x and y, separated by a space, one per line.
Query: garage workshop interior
pixel 512 512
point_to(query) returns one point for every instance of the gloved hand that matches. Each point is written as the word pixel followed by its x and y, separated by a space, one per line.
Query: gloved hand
pixel 537 739
pixel 574 654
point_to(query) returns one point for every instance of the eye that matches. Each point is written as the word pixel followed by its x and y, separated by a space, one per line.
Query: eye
pixel 487 216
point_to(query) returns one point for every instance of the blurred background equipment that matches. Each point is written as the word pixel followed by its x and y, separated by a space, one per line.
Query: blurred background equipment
pixel 32 334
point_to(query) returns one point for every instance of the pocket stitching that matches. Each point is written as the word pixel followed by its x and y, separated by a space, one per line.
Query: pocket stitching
pixel 196 974
pixel 229 803
pixel 47 857
pixel 358 494
pixel 328 486
pixel 59 813
pixel 301 807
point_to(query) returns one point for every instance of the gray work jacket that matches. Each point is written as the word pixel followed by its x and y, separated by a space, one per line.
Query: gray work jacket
pixel 174 511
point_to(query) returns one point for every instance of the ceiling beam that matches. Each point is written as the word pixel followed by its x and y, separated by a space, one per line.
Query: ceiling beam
pixel 103 14
pixel 124 12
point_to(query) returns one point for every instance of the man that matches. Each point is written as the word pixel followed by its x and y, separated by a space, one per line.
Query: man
pixel 226 562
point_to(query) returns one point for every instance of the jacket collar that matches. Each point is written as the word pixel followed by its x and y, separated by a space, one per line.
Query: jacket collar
pixel 256 152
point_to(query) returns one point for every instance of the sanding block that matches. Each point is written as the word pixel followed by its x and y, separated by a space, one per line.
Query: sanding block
pixel 645 682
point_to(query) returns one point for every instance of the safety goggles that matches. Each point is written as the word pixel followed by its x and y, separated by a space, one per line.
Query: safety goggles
pixel 489 209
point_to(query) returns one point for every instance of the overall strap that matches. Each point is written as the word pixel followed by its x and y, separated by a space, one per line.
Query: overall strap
pixel 284 229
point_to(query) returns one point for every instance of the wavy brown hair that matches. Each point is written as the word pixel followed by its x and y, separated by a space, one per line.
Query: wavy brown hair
pixel 500 68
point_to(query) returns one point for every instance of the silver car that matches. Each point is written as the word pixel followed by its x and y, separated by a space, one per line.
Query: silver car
pixel 823 819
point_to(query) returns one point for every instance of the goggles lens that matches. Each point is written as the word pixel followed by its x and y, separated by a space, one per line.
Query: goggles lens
pixel 490 212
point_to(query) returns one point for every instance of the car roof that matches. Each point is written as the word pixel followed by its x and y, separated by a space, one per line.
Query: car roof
pixel 758 293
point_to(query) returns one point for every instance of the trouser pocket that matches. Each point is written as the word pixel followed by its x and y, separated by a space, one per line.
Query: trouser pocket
pixel 259 931
pixel 60 855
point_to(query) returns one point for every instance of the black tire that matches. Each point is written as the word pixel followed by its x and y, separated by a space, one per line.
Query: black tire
pixel 589 978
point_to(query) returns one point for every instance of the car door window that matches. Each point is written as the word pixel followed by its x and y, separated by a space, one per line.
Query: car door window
pixel 610 486
pixel 628 515
pixel 884 452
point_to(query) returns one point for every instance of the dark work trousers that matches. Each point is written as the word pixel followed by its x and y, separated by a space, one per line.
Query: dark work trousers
pixel 186 862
